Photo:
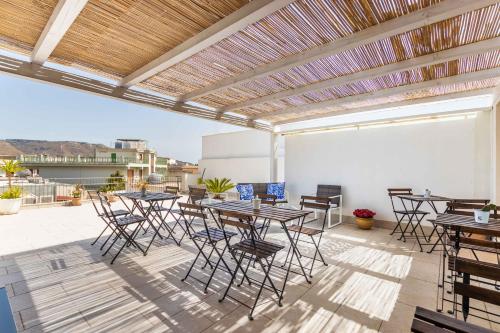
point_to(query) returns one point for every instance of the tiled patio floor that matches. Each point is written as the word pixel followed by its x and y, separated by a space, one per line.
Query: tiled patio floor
pixel 372 283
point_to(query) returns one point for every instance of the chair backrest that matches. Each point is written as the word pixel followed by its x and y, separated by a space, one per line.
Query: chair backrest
pixel 478 269
pixel 319 203
pixel 242 222
pixel 268 199
pixel 326 191
pixel 466 207
pixel 94 198
pixel 191 211
pixel 196 194
pixel 427 321
pixel 106 206
pixel 398 191
pixel 171 190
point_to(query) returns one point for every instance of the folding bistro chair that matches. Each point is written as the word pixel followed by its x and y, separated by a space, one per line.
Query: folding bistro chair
pixel 408 212
pixel 126 228
pixel 334 193
pixel 317 203
pixel 95 199
pixel 251 248
pixel 207 237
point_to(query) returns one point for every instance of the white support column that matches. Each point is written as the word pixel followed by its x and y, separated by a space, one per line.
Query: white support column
pixel 495 165
pixel 273 158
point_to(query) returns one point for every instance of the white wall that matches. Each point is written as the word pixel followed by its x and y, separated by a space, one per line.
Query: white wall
pixel 241 156
pixel 451 158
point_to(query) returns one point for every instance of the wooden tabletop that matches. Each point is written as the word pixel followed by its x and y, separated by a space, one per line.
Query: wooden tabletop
pixel 420 197
pixel 468 224
pixel 150 196
pixel 274 213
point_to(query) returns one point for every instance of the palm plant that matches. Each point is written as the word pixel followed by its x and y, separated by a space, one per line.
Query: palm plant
pixel 11 167
pixel 218 186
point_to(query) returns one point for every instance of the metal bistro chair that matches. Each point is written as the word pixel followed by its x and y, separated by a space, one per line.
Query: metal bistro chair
pixel 95 198
pixel 208 236
pixel 126 227
pixel 251 248
pixel 317 203
pixel 407 211
pixel 334 194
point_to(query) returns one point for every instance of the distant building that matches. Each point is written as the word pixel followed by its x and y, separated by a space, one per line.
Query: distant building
pixel 131 157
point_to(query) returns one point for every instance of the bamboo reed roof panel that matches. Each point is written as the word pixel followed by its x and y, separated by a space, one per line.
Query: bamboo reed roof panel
pixel 413 96
pixel 300 26
pixel 460 66
pixel 479 25
pixel 116 37
pixel 22 22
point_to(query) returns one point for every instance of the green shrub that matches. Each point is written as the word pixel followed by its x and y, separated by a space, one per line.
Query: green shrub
pixel 13 192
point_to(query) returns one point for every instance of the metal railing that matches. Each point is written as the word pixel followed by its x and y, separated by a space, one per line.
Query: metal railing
pixel 37 191
pixel 162 160
pixel 77 160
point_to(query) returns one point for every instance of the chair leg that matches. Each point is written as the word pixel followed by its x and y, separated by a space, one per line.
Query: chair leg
pixel 215 268
pixel 195 259
pixel 238 264
pixel 317 252
pixel 266 272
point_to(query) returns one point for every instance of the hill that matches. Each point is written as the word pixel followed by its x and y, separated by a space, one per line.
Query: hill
pixel 54 148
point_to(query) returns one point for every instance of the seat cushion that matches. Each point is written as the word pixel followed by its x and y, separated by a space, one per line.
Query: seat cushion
pixel 277 189
pixel 245 190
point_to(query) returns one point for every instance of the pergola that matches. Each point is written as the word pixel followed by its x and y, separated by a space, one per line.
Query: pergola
pixel 258 63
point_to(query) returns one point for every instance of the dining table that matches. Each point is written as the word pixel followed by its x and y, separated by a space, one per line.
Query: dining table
pixel 416 201
pixel 280 215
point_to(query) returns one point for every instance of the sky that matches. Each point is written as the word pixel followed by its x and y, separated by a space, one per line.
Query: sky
pixel 40 111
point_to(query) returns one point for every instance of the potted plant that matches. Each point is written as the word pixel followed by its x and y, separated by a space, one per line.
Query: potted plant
pixel 143 187
pixel 364 218
pixel 115 182
pixel 218 186
pixel 483 215
pixel 77 195
pixel 11 199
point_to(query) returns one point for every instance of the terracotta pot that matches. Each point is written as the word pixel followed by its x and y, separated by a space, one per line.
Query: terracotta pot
pixel 364 223
pixel 76 201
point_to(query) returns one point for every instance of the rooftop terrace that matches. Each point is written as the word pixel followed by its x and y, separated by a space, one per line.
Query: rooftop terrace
pixel 58 282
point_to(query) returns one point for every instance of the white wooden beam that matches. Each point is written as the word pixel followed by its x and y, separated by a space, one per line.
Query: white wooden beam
pixel 416 101
pixel 439 12
pixel 63 16
pixel 422 61
pixel 240 19
pixel 479 75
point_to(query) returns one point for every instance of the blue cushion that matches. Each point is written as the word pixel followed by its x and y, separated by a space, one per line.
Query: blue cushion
pixel 246 191
pixel 278 189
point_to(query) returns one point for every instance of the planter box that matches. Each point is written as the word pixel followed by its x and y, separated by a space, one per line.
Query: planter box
pixel 10 206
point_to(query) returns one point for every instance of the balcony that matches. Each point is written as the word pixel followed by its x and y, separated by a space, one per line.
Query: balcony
pixel 33 161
